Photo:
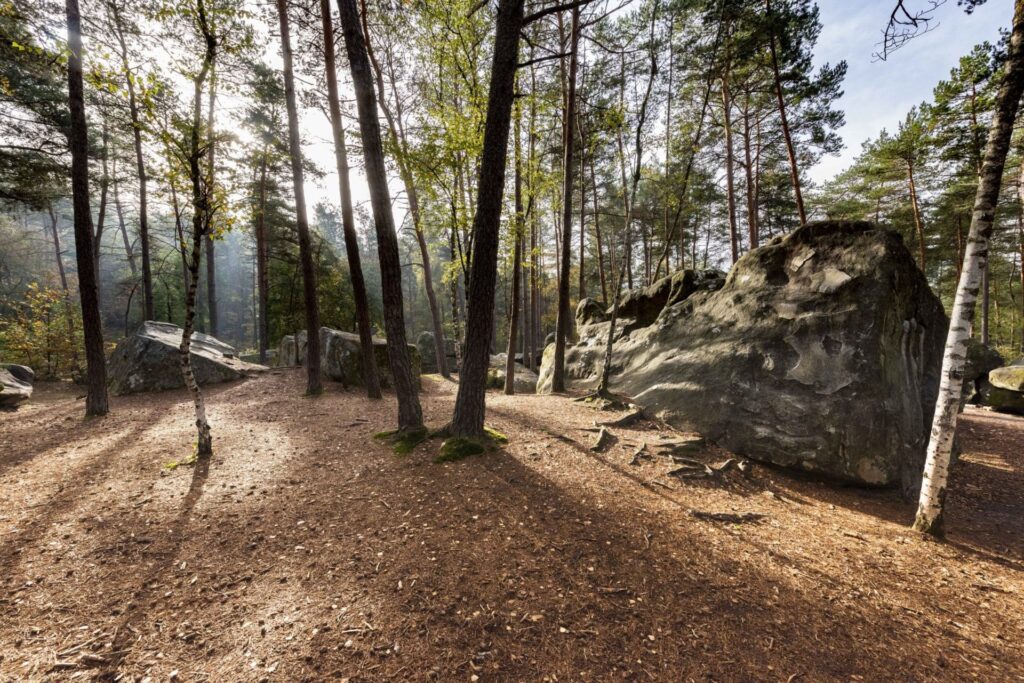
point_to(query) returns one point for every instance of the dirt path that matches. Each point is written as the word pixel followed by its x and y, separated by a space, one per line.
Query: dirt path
pixel 309 551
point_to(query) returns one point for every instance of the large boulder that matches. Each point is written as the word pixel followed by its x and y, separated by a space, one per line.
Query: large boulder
pixel 822 351
pixel 341 358
pixel 524 380
pixel 148 360
pixel 15 384
pixel 427 347
pixel 287 352
pixel 981 360
pixel 1004 389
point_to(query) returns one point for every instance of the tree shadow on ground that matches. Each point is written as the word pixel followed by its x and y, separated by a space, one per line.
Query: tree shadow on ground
pixel 518 564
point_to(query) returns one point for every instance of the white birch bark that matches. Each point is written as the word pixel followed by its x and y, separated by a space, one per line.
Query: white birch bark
pixel 936 469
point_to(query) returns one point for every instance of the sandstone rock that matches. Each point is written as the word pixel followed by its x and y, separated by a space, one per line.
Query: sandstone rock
pixel 589 311
pixel 428 351
pixel 20 372
pixel 148 360
pixel 1003 390
pixel 287 353
pixel 1010 378
pixel 15 384
pixel 524 382
pixel 1000 399
pixel 341 358
pixel 821 351
pixel 981 360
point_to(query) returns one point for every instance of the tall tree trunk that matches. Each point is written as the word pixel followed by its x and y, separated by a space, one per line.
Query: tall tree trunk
pixel 685 185
pixel 396 133
pixel 1020 248
pixel 96 368
pixel 569 142
pixel 201 220
pixel 603 382
pixel 748 169
pixel 58 251
pixel 933 488
pixel 597 235
pixel 583 209
pixel 468 416
pixel 517 255
pixel 101 215
pixel 794 172
pixel 262 263
pixel 128 251
pixel 140 164
pixel 313 383
pixel 211 263
pixel 916 207
pixel 410 415
pixel 729 168
pixel 355 266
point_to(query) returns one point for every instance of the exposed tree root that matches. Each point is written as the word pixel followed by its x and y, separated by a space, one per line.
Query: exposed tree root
pixel 728 517
pixel 604 439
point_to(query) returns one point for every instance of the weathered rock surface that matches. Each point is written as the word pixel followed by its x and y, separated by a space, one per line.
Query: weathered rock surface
pixel 148 360
pixel 428 352
pixel 524 382
pixel 1004 389
pixel 981 360
pixel 341 356
pixel 821 351
pixel 287 352
pixel 15 384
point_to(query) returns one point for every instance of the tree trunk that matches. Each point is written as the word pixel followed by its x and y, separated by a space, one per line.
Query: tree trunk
pixel 128 251
pixel 916 207
pixel 101 215
pixel 140 167
pixel 211 263
pixel 468 416
pixel 933 488
pixel 201 220
pixel 597 235
pixel 397 134
pixel 569 127
pixel 57 250
pixel 517 255
pixel 262 263
pixel 794 173
pixel 410 415
pixel 355 266
pixel 748 169
pixel 96 368
pixel 729 184
pixel 313 383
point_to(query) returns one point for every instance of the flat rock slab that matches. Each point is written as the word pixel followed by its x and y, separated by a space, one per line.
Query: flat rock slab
pixel 149 360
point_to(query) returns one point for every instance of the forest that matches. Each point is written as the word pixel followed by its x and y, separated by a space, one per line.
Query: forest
pixel 380 340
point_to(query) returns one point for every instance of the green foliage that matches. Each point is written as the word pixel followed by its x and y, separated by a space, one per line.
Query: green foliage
pixel 44 333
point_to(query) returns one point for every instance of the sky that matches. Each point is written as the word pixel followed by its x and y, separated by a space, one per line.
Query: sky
pixel 878 94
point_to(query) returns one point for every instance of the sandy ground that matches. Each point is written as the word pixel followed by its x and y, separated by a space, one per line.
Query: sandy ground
pixel 309 551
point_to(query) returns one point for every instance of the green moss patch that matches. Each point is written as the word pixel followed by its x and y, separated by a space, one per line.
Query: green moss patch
pixel 459 447
pixel 401 442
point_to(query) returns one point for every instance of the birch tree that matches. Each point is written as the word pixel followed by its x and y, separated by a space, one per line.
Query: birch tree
pixel 936 471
